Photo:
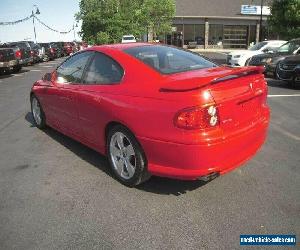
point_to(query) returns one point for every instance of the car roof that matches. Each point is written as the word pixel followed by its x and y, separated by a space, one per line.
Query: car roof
pixel 123 46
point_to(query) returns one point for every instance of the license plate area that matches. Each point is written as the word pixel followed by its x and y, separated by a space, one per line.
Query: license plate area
pixel 247 111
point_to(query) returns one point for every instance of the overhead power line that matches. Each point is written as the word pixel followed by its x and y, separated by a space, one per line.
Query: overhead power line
pixel 41 22
pixel 18 21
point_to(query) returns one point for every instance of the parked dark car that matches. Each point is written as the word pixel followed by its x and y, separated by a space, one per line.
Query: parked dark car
pixel 69 48
pixel 34 50
pixel 289 70
pixel 271 60
pixel 40 52
pixel 50 51
pixel 61 49
pixel 8 60
pixel 24 47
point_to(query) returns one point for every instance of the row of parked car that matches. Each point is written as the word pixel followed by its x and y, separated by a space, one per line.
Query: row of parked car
pixel 15 55
pixel 281 59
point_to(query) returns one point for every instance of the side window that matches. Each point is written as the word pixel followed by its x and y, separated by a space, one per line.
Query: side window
pixel 72 69
pixel 103 70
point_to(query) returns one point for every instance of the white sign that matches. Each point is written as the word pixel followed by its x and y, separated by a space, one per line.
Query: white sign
pixel 255 10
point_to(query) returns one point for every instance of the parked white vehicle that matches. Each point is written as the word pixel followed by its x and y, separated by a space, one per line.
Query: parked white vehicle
pixel 239 57
pixel 128 39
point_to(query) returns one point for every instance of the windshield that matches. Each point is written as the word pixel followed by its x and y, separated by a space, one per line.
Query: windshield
pixel 258 46
pixel 168 60
pixel 126 38
pixel 289 47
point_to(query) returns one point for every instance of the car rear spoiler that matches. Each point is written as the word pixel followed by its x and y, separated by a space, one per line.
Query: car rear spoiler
pixel 238 73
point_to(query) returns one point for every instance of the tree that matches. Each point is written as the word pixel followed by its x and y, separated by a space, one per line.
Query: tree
pixel 106 21
pixel 159 15
pixel 285 18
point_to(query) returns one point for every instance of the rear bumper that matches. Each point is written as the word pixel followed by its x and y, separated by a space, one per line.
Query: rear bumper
pixel 9 64
pixel 190 162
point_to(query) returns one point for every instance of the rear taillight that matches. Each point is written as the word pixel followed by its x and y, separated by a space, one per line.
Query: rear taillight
pixel 197 118
pixel 18 54
pixel 52 50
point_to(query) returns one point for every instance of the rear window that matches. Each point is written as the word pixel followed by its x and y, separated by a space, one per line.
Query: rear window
pixel 45 45
pixel 20 45
pixel 169 60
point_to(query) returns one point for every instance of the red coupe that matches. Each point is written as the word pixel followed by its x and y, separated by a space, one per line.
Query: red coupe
pixel 156 110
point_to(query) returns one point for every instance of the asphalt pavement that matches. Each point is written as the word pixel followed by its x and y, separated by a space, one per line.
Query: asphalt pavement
pixel 56 193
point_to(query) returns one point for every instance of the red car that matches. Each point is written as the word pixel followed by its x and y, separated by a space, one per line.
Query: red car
pixel 156 110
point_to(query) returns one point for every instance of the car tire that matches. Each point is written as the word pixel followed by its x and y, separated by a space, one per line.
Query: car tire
pixel 17 69
pixel 292 83
pixel 37 112
pixel 126 157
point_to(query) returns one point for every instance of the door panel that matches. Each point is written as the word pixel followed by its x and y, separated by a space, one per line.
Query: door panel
pixel 103 74
pixel 62 99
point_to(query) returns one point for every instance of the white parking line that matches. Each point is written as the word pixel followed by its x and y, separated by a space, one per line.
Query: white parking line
pixel 284 95
pixel 36 70
pixel 45 66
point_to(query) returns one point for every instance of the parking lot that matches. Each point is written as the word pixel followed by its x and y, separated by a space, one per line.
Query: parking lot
pixel 58 194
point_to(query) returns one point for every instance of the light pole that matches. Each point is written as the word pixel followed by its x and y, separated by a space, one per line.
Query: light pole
pixel 260 20
pixel 74 26
pixel 37 12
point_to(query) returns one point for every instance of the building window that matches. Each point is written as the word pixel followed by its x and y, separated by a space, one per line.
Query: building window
pixel 193 33
pixel 189 33
pixel 199 34
pixel 215 34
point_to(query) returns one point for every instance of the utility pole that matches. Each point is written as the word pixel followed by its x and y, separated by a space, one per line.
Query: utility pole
pixel 74 26
pixel 260 21
pixel 33 15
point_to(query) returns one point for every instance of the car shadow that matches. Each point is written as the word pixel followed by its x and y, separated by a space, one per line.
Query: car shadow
pixel 156 185
pixel 280 84
pixel 84 152
pixel 10 74
pixel 165 186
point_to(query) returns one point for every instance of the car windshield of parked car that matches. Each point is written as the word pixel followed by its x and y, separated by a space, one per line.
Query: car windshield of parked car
pixel 169 60
pixel 289 47
pixel 258 46
pixel 128 38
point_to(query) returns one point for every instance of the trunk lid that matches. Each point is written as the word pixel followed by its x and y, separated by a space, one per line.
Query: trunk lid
pixel 239 93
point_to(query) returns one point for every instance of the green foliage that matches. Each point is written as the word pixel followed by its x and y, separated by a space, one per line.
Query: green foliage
pixel 285 18
pixel 106 21
pixel 102 38
pixel 159 14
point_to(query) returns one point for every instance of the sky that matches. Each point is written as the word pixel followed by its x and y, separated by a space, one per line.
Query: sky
pixel 58 14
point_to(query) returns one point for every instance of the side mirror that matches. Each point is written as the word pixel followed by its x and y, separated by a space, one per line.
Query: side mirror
pixel 265 50
pixel 47 77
